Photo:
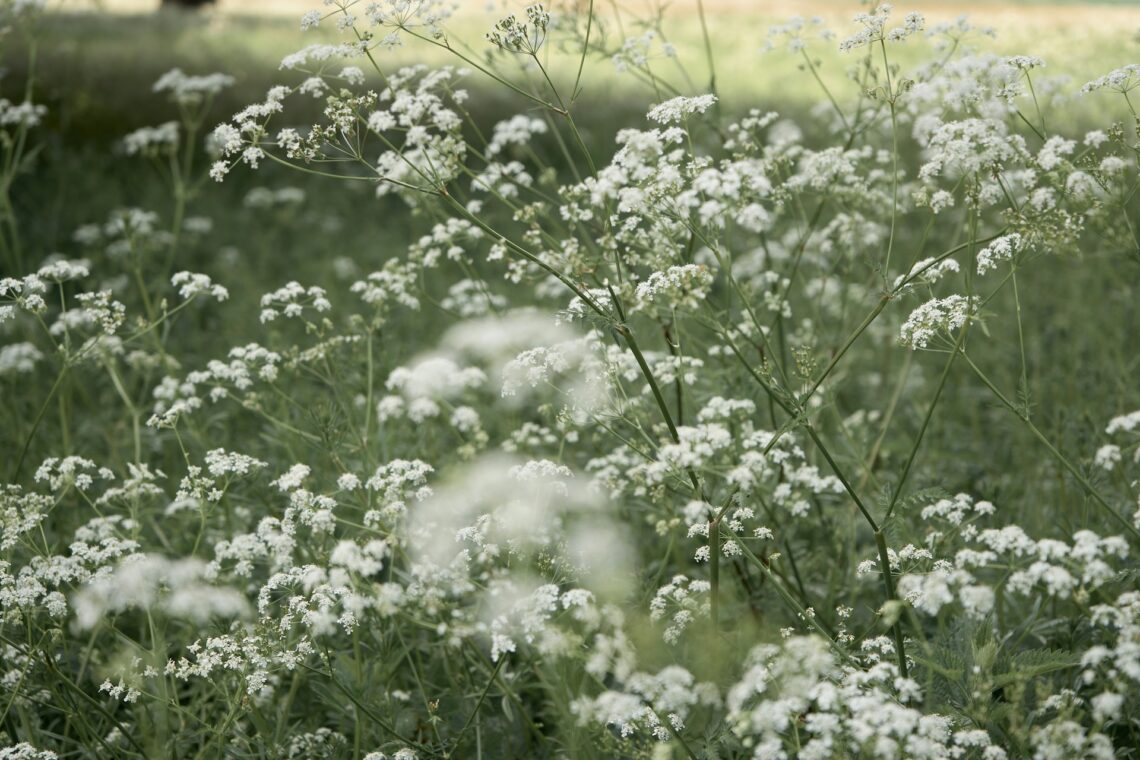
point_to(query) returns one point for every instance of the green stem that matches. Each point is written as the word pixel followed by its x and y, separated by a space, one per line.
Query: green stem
pixel 482 698
pixel 1085 484
pixel 708 46
pixel 889 582
pixel 925 424
pixel 36 424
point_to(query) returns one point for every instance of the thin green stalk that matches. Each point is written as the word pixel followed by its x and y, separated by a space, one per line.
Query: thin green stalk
pixel 1036 104
pixel 925 423
pixel 1020 341
pixel 846 345
pixel 565 111
pixel 880 541
pixel 894 189
pixel 479 704
pixel 1061 458
pixel 889 582
pixel 368 410
pixel 708 46
pixel 842 478
pixel 826 91
pixel 631 341
pixel 888 417
pixel 714 560
pixel 379 721
pixel 577 291
pixel 585 49
pixel 36 424
pixel 788 599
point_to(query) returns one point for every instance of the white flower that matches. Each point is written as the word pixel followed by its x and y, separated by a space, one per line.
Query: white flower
pixel 293 478
pixel 675 110
pixel 685 286
pixel 1120 80
pixel 191 284
pixel 19 358
pixel 1107 457
pixel 1002 249
pixel 1106 706
pixel 938 316
pixel 189 90
pixel 310 20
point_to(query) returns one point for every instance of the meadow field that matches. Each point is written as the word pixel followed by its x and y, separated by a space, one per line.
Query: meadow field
pixel 597 379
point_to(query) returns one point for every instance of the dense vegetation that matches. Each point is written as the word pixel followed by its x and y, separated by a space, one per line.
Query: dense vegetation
pixel 579 429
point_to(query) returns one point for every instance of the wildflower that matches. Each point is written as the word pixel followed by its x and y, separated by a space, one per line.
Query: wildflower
pixel 1121 80
pixel 310 20
pixel 1107 457
pixel 515 36
pixel 435 377
pixel 517 130
pixel 190 285
pixel 19 358
pixel 24 114
pixel 675 110
pixel 928 271
pixel 152 141
pixel 684 286
pixel 1002 249
pixel 191 90
pixel 156 583
pixel 935 317
pixel 291 300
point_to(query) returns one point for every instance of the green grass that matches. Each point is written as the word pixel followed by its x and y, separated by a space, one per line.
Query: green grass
pixel 93 69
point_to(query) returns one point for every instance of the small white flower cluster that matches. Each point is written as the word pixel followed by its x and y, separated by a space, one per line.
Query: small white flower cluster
pixel 535 367
pixel 677 287
pixel 515 131
pixel 1049 567
pixel 19 358
pixel 239 139
pixel 393 285
pixel 187 90
pixel 435 377
pixel 927 271
pixel 674 111
pixel 152 141
pixel 94 550
pixel 25 294
pixel 685 599
pixel 1121 80
pixel 794 30
pixel 938 317
pixel 256 658
pixel 291 300
pixel 797 699
pixel 670 695
pixel 25 115
pixel 525 37
pixel 1005 248
pixel 246 366
pixel 422 105
pixel 23 750
pixel 874 28
pixel 157 584
pixel 970 146
pixel 192 284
